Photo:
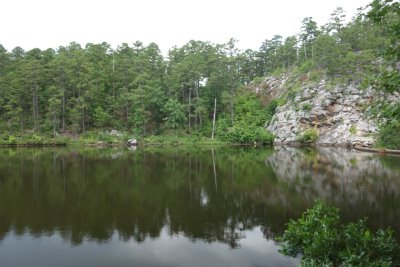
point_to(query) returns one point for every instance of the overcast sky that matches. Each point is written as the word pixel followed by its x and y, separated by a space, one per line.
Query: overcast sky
pixel 51 23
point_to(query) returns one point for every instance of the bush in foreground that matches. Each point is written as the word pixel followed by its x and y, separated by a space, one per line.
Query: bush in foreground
pixel 321 240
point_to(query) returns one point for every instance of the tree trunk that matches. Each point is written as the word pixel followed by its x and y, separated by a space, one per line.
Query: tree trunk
pixel 21 121
pixel 190 103
pixel 200 122
pixel 83 120
pixel 215 111
pixel 35 107
pixel 63 111
pixel 33 113
pixel 312 53
pixel 231 106
pixel 54 125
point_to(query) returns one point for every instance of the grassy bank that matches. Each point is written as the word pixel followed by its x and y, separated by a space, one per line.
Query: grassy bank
pixel 103 139
pixel 32 140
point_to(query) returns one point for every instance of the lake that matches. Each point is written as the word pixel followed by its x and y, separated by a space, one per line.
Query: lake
pixel 179 206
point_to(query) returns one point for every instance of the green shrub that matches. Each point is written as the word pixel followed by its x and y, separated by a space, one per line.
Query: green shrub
pixel 248 134
pixel 12 139
pixel 107 138
pixel 250 111
pixel 35 139
pixel 353 129
pixel 291 94
pixel 321 241
pixel 309 136
pixel 180 139
pixel 362 247
pixel 101 117
pixel 281 101
pixel 306 106
pixel 258 80
pixel 306 66
pixel 316 75
pixel 270 110
pixel 271 107
pixel 389 135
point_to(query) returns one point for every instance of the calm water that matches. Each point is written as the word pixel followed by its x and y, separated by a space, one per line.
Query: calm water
pixel 179 206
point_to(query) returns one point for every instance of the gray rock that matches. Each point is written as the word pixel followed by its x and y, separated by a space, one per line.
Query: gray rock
pixel 132 142
pixel 327 102
pixel 354 117
pixel 115 133
pixel 333 112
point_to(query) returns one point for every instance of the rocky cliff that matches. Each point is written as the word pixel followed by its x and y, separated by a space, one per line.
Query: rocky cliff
pixel 339 114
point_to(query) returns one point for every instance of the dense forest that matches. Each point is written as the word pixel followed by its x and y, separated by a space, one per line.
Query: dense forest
pixel 135 88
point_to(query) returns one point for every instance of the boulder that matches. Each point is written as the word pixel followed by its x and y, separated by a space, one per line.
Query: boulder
pixel 132 142
pixel 115 133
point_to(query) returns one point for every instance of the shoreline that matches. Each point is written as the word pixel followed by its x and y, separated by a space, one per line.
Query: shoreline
pixel 158 144
pixel 378 150
pixel 101 144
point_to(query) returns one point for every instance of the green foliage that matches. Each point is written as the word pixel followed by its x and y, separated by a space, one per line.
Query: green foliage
pixel 321 241
pixel 306 107
pixel 245 134
pixel 180 139
pixel 271 107
pixel 249 109
pixel 75 89
pixel 306 66
pixel 353 129
pixel 389 80
pixel 101 118
pixel 386 14
pixel 389 135
pixel 258 80
pixel 12 139
pixel 309 136
pixel 362 247
pixel 314 235
pixel 250 117
pixel 107 138
pixel 384 110
pixel 316 75
pixel 175 115
pixel 28 139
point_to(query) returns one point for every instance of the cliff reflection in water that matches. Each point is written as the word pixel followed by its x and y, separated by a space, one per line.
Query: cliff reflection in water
pixel 208 194
pixel 362 184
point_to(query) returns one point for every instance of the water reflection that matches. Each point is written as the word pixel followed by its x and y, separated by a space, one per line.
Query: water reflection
pixel 361 184
pixel 88 194
pixel 202 195
pixel 175 251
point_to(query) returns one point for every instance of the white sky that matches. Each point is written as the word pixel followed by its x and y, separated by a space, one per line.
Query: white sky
pixel 51 23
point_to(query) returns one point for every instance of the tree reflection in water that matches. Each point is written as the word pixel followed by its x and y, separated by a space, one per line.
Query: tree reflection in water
pixel 208 194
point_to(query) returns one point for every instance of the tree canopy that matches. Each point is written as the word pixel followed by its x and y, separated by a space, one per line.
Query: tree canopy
pixel 136 88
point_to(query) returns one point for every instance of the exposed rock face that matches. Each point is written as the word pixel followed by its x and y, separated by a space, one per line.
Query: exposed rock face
pixel 272 86
pixel 338 115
